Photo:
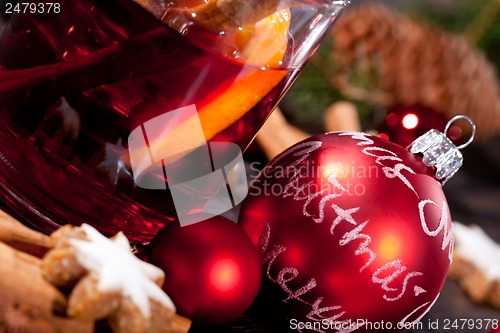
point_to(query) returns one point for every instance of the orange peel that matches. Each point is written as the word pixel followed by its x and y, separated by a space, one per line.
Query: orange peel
pixel 263 47
pixel 266 42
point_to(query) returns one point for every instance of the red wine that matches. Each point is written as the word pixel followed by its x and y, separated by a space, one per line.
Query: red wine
pixel 90 75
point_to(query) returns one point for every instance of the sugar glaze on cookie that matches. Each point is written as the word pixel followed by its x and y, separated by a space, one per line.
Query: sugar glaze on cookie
pixel 118 269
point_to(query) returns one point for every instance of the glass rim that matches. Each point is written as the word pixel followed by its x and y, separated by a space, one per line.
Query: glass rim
pixel 342 3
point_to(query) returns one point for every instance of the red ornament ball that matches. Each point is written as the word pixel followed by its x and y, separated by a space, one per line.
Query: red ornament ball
pixel 403 124
pixel 354 233
pixel 212 270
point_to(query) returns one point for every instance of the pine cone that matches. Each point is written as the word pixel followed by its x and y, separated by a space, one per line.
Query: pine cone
pixel 418 64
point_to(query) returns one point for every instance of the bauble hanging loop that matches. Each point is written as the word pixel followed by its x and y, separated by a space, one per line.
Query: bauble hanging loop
pixel 440 152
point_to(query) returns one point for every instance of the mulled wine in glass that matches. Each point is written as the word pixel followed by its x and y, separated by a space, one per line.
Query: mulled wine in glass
pixel 78 81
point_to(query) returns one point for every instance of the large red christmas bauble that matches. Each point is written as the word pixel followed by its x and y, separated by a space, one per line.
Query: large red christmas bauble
pixel 212 270
pixel 354 234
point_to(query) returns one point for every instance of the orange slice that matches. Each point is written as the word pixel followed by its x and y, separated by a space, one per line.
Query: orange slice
pixel 262 46
pixel 265 44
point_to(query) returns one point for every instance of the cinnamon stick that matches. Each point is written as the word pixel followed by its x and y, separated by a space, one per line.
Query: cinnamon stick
pixel 277 135
pixel 178 324
pixel 22 238
pixel 143 55
pixel 150 53
pixel 147 54
pixel 22 286
pixel 342 116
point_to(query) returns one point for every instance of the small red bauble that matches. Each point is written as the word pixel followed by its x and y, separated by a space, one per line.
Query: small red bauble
pixel 354 233
pixel 403 124
pixel 212 270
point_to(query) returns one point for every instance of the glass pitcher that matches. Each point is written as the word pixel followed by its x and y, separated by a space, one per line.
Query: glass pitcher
pixel 127 114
